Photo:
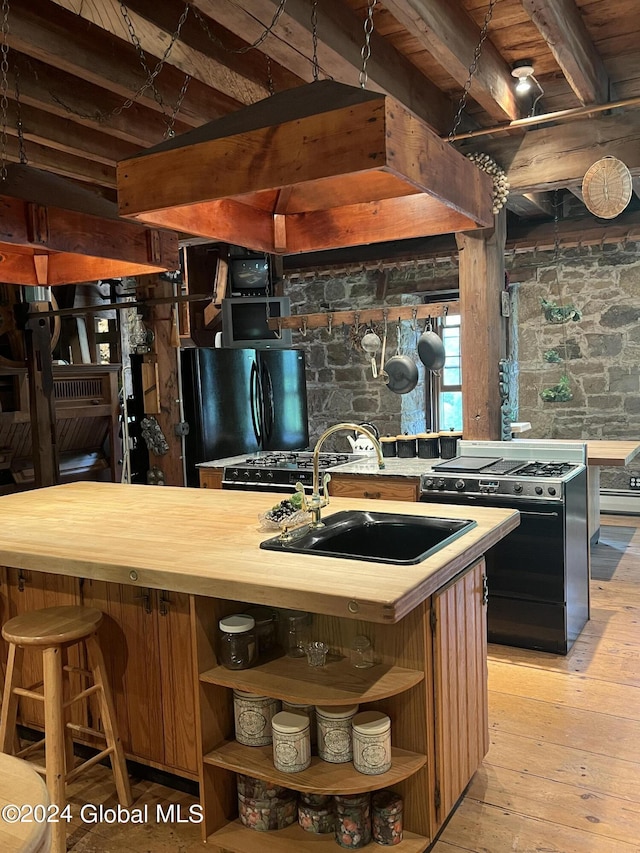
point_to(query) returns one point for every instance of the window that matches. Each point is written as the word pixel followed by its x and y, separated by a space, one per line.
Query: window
pixel 446 390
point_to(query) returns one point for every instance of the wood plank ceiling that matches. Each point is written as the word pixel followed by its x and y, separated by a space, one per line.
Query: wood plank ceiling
pixel 82 70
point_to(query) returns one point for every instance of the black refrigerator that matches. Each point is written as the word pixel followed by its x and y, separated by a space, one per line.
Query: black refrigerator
pixel 242 400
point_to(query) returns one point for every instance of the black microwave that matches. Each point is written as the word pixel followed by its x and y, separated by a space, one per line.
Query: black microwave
pixel 245 322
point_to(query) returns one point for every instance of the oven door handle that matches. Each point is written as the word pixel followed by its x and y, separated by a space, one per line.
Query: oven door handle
pixel 539 514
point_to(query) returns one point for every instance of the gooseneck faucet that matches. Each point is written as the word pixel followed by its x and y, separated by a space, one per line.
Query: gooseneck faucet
pixel 317 501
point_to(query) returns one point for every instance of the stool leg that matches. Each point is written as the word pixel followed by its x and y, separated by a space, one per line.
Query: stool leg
pixel 68 738
pixel 8 732
pixel 110 725
pixel 54 745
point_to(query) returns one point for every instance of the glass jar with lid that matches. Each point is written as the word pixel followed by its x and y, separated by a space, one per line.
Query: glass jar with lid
pixel 237 646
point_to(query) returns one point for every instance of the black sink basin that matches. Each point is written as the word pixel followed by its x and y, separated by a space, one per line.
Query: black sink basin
pixel 382 537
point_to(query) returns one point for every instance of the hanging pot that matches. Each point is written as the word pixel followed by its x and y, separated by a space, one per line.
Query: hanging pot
pixel 430 348
pixel 402 372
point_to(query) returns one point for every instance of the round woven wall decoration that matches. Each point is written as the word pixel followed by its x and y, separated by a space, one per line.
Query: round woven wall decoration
pixel 607 187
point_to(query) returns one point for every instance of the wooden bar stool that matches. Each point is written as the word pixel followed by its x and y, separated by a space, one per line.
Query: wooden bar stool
pixel 54 630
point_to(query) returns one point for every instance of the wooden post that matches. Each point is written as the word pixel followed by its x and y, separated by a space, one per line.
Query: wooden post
pixel 164 363
pixel 483 330
pixel 41 398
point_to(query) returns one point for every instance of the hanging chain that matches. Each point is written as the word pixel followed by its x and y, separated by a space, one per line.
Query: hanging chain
pixel 267 30
pixel 170 132
pixel 314 38
pixel 365 53
pixel 4 86
pixel 21 152
pixel 472 70
pixel 270 85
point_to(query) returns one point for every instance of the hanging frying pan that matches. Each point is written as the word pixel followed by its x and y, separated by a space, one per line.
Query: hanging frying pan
pixel 431 348
pixel 401 370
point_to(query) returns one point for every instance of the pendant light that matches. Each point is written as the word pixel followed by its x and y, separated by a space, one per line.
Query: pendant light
pixel 320 166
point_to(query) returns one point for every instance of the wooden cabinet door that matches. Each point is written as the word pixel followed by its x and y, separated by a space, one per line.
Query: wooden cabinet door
pixel 210 478
pixel 147 646
pixel 28 591
pixel 177 681
pixel 129 639
pixel 375 488
pixel 460 684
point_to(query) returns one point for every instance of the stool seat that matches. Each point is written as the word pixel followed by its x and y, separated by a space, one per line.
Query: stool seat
pixel 20 785
pixel 52 626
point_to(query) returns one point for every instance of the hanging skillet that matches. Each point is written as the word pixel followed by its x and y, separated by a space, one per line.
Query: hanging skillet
pixel 431 348
pixel 401 370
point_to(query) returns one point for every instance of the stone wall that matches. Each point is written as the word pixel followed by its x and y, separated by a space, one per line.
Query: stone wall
pixel 340 385
pixel 599 350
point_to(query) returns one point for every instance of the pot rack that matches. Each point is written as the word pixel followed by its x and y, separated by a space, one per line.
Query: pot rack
pixel 391 313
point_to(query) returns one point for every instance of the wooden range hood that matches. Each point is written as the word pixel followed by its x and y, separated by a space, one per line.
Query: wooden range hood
pixel 53 232
pixel 318 167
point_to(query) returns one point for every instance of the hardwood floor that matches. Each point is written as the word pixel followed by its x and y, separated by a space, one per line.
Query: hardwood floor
pixel 563 771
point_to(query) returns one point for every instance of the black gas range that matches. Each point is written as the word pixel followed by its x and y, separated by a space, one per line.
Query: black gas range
pixel 280 470
pixel 538 575
pixel 511 478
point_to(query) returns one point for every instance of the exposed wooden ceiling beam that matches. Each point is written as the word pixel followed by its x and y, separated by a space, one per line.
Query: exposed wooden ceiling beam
pixel 67 165
pixel 556 157
pixel 340 39
pixel 451 36
pixel 154 39
pixel 47 32
pixel 64 135
pixel 65 95
pixel 560 24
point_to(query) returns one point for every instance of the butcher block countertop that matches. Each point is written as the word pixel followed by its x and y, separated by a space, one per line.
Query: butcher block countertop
pixel 206 542
pixel 615 453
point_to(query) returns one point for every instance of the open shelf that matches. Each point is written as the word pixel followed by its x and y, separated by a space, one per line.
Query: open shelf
pixel 337 683
pixel 322 777
pixel 236 838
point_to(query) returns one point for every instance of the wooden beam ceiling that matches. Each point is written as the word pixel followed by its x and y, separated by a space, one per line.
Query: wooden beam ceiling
pixel 451 36
pixel 563 29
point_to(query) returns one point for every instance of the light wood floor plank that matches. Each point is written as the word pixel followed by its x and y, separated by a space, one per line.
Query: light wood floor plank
pixel 484 828
pixel 532 796
pixel 566 764
pixel 618 700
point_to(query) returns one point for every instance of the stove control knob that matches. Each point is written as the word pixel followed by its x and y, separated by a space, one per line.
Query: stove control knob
pixel 440 484
pixel 460 484
pixel 269 475
pixel 258 475
pixel 552 490
pixel 234 474
pixel 518 488
pixel 539 490
pixel 246 475
pixel 428 484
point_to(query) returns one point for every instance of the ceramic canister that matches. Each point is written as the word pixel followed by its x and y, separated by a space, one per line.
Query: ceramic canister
pixel 407 446
pixel 253 715
pixel 389 445
pixel 334 732
pixel 428 445
pixel 449 443
pixel 291 742
pixel 371 742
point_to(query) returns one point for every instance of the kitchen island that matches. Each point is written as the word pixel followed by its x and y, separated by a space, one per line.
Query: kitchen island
pixel 426 622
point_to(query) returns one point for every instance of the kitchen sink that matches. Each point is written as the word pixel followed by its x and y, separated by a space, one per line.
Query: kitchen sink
pixel 382 537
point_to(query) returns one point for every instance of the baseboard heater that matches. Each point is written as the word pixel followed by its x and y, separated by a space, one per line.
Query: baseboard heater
pixel 622 501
